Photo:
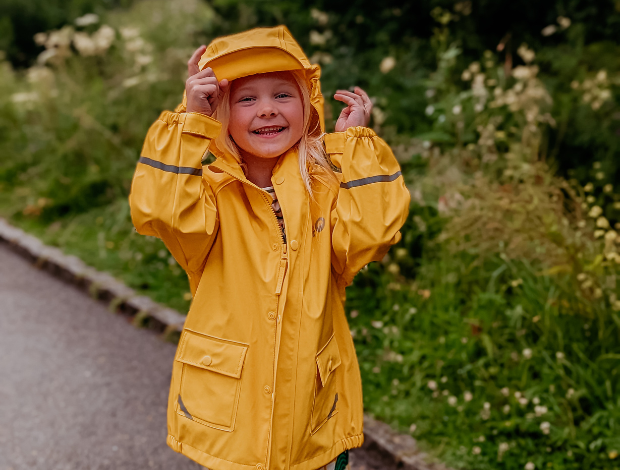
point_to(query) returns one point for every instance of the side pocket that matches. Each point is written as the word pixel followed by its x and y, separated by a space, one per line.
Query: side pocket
pixel 325 403
pixel 210 380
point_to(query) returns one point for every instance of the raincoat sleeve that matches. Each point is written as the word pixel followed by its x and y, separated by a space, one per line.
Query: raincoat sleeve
pixel 169 198
pixel 372 203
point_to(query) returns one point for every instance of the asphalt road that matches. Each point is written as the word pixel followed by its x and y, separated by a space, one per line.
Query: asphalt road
pixel 80 388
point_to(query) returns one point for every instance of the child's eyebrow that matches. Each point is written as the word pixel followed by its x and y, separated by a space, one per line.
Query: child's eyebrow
pixel 252 87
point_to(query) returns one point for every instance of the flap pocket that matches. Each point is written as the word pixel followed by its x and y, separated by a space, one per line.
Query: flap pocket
pixel 210 353
pixel 328 359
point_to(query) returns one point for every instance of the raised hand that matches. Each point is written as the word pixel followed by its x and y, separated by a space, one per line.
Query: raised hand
pixel 203 89
pixel 357 112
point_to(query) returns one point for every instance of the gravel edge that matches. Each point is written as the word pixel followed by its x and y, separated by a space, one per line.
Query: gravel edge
pixel 401 449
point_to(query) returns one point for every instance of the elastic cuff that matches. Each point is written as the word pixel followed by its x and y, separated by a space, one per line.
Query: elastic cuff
pixel 360 131
pixel 201 124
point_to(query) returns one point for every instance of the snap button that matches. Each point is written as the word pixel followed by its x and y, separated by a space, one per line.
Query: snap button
pixel 271 315
pixel 259 467
pixel 267 389
pixel 280 180
pixel 274 247
pixel 294 245
pixel 206 361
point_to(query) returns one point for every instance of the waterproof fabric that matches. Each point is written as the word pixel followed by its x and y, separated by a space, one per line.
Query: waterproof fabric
pixel 265 375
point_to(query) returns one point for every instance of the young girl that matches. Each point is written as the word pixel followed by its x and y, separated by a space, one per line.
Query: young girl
pixel 265 376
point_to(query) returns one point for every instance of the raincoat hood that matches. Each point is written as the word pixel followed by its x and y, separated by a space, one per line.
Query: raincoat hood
pixel 263 50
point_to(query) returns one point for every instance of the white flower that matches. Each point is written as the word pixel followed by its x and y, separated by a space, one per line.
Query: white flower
pixel 527 353
pixel 319 16
pixel 387 64
pixel 318 39
pixel 24 97
pixel 570 392
pixel 540 410
pixel 131 81
pixel 104 37
pixel 588 188
pixel 517 395
pixel 430 109
pixel 486 406
pixel 523 401
pixel 468 396
pixel 545 427
pixel 559 355
pixel 412 428
pixel 376 323
pixel 479 107
pixel 452 401
pixel 529 466
pixel 87 19
pixel 549 30
pixel 536 400
pixel 476 450
pixel 84 44
pixel 608 188
pixel 503 447
pixel 464 340
pixel 521 72
pixel 432 385
pixel 505 391
pixel 444 379
pixel 602 222
pixel 564 22
pixel 129 33
pixel 466 75
pixel 456 110
pixel 354 313
pixel 506 409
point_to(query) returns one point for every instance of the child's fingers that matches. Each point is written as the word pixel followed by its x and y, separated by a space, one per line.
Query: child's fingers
pixel 355 97
pixel 192 63
pixel 349 100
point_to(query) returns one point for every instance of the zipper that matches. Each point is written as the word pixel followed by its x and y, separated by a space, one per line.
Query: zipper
pixel 282 269
pixel 265 198
pixel 279 284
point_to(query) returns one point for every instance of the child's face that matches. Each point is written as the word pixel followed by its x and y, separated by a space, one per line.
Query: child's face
pixel 266 114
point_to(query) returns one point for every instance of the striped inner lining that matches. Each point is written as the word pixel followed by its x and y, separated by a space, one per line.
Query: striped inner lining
pixel 370 180
pixel 179 170
pixel 277 209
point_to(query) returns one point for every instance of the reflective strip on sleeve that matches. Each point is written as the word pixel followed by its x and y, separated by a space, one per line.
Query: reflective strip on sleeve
pixel 179 170
pixel 370 180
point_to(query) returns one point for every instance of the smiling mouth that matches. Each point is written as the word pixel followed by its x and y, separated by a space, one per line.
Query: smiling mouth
pixel 273 130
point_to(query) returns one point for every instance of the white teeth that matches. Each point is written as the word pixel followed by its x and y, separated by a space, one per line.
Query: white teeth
pixel 268 130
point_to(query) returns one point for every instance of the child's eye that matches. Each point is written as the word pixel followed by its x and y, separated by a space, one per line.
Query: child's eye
pixel 246 99
pixel 283 95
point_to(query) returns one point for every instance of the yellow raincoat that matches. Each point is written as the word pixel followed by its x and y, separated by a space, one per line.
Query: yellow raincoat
pixel 265 375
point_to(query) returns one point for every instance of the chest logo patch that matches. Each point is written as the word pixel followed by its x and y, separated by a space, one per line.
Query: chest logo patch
pixel 318 226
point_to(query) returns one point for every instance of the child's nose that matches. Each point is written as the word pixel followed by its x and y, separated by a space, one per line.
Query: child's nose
pixel 267 111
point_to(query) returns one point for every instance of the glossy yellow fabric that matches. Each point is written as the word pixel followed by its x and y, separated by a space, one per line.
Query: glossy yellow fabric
pixel 265 375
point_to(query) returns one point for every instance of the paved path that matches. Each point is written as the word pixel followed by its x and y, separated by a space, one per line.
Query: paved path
pixel 80 388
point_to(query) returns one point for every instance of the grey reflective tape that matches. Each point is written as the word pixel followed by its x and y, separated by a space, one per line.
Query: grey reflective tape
pixel 184 410
pixel 331 412
pixel 179 170
pixel 370 180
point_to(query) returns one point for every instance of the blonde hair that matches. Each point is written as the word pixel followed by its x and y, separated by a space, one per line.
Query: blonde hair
pixel 310 147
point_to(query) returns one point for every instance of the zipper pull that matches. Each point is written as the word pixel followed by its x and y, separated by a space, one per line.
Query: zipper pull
pixel 282 269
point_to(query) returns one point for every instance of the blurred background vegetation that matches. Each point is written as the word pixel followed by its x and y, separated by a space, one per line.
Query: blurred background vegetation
pixel 491 333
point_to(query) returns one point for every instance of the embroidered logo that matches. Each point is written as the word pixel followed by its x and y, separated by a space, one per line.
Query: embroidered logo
pixel 318 226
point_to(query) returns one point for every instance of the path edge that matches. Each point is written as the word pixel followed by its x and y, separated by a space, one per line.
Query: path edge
pixel 402 449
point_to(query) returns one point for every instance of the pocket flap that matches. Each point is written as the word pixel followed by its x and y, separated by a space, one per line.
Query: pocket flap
pixel 210 353
pixel 328 359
